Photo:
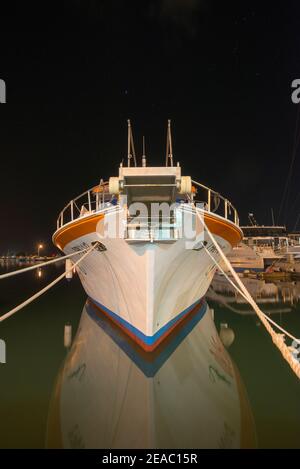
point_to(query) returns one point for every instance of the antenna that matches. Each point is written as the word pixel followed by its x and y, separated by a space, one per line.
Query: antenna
pixel 144 154
pixel 273 221
pixel 252 220
pixel 130 145
pixel 169 152
pixel 297 221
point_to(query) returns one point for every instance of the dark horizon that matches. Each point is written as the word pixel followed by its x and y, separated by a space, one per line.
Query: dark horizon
pixel 75 73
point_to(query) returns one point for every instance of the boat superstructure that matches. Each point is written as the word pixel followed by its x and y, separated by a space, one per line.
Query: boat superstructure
pixel 261 246
pixel 294 243
pixel 267 241
pixel 151 266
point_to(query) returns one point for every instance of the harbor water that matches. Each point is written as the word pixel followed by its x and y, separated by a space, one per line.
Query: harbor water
pixel 41 375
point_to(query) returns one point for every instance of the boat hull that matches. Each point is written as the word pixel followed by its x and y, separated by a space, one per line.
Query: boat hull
pixel 147 288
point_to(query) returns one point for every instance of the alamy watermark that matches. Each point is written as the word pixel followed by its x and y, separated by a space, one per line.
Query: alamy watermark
pixel 2 92
pixel 2 351
pixel 156 221
pixel 296 93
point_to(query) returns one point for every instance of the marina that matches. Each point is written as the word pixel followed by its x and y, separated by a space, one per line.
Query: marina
pixel 150 248
pixel 33 386
pixel 168 236
pixel 150 237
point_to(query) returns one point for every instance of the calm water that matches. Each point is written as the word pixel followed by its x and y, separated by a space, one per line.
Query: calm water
pixel 36 354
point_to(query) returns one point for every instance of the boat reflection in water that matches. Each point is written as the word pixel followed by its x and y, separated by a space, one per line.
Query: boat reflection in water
pixel 277 297
pixel 185 394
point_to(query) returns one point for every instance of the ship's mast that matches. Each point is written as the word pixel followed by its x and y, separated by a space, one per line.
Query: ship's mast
pixel 169 151
pixel 272 213
pixel 144 154
pixel 130 146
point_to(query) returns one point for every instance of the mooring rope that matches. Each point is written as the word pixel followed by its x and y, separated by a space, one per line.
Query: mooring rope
pixel 244 296
pixel 278 339
pixel 41 264
pixel 46 288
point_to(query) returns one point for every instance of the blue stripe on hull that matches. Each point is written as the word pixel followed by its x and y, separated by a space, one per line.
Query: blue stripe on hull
pixel 149 364
pixel 148 340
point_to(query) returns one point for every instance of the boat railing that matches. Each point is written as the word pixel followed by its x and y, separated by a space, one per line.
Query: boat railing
pixel 98 197
pixel 86 203
pixel 214 202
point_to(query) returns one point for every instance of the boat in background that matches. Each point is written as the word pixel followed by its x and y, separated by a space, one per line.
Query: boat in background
pixel 243 257
pixel 294 243
pixel 260 247
pixel 268 242
pixel 289 263
pixel 150 267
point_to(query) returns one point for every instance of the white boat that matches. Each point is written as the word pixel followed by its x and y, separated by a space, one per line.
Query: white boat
pixel 261 246
pixel 294 243
pixel 187 394
pixel 150 268
pixel 268 242
pixel 243 257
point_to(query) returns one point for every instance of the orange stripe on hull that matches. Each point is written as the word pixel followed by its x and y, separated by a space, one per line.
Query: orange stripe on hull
pixel 75 230
pixel 225 230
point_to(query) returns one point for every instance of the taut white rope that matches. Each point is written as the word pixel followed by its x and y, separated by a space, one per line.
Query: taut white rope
pixel 42 264
pixel 244 296
pixel 50 285
pixel 278 339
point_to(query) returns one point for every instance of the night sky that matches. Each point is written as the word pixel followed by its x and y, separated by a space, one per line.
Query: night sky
pixel 76 70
